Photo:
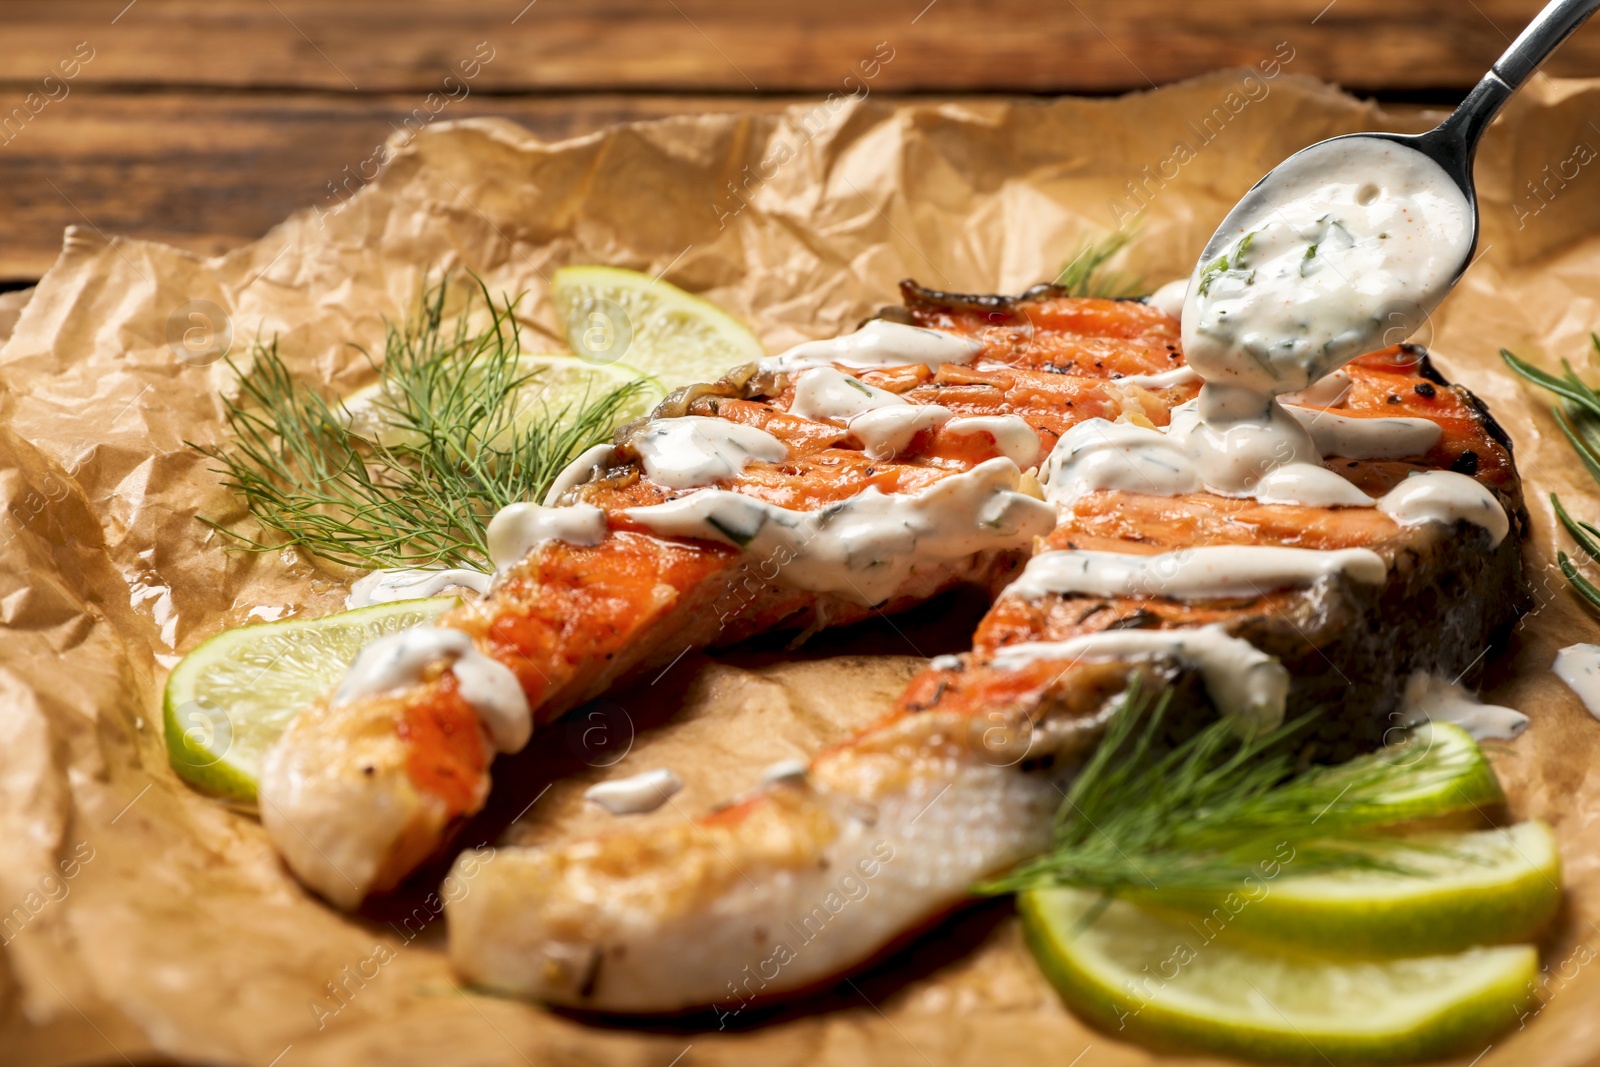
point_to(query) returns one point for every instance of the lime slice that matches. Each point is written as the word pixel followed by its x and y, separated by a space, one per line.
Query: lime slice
pixel 229 700
pixel 1164 983
pixel 1487 887
pixel 558 384
pixel 1450 776
pixel 611 314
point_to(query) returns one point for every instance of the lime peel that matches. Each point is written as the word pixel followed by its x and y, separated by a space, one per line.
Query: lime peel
pixel 1137 974
pixel 1484 887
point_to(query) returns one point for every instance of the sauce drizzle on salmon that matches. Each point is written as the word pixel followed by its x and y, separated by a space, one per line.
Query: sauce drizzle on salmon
pixel 959 781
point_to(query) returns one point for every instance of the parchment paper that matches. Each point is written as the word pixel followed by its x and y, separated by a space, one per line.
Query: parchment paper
pixel 147 922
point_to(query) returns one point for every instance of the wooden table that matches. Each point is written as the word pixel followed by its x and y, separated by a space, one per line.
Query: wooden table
pixel 204 122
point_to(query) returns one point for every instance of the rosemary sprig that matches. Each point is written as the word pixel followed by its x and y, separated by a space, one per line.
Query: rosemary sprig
pixel 1086 274
pixel 462 446
pixel 1579 422
pixel 1209 811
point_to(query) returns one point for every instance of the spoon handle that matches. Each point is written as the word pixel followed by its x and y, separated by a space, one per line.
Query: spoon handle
pixel 1541 37
pixel 1458 135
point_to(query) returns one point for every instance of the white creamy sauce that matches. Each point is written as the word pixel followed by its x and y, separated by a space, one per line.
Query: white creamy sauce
pixel 1346 241
pixel 1244 682
pixel 866 547
pixel 637 794
pixel 517 529
pixel 1579 667
pixel 1099 454
pixel 1308 485
pixel 1445 496
pixel 1169 298
pixel 824 393
pixel 1194 455
pixel 400 660
pixel 1230 452
pixel 580 470
pixel 1327 392
pixel 1166 379
pixel 1013 437
pixel 1191 573
pixel 694 450
pixel 884 424
pixel 1430 698
pixel 383 587
pixel 945 662
pixel 879 343
pixel 1382 437
pixel 886 432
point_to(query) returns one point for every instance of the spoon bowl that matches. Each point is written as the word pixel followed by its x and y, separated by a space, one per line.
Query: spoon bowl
pixel 1449 147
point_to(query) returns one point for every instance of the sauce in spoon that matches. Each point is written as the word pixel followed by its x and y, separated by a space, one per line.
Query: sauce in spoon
pixel 1343 249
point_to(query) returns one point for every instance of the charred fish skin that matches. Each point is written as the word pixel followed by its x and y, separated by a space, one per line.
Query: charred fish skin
pixel 607 923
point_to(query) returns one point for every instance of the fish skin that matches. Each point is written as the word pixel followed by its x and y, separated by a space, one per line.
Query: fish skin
pixel 710 913
pixel 572 622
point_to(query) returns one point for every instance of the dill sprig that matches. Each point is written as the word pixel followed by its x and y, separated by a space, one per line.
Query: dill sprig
pixel 1579 421
pixel 464 434
pixel 1206 813
pixel 1086 274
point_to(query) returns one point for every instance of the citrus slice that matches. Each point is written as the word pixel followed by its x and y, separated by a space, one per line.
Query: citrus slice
pixel 610 314
pixel 229 700
pixel 1164 983
pixel 1450 775
pixel 558 385
pixel 1486 887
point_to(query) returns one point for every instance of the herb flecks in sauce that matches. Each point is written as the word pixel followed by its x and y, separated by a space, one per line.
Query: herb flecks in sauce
pixel 1314 278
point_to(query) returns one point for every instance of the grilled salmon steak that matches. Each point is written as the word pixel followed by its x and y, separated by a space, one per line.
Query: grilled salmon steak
pixel 1241 605
pixel 817 488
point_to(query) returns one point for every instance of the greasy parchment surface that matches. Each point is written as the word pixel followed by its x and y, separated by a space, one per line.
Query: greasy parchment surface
pixel 144 922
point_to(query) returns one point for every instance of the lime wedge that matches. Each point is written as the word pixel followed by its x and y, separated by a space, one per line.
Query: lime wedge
pixel 229 700
pixel 1487 887
pixel 557 384
pixel 612 314
pixel 1165 984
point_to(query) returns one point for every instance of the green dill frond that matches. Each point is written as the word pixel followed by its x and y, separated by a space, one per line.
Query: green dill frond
pixel 460 442
pixel 1208 812
pixel 1086 274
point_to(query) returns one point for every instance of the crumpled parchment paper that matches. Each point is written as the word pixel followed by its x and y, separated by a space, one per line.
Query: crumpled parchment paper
pixel 141 921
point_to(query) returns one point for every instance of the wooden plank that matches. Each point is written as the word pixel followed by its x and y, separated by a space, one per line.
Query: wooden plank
pixel 749 46
pixel 209 172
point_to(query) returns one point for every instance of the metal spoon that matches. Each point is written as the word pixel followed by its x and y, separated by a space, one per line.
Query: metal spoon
pixel 1452 144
